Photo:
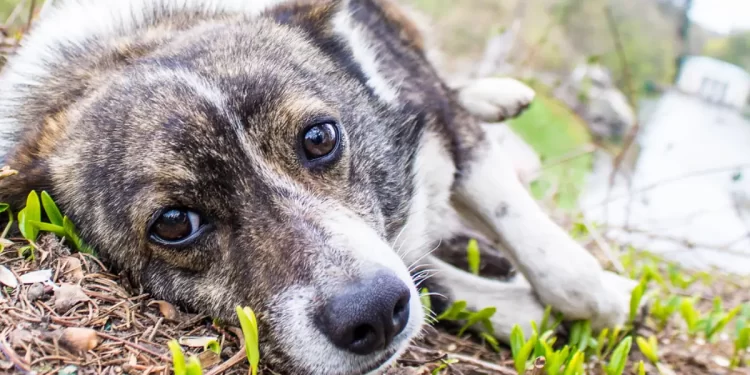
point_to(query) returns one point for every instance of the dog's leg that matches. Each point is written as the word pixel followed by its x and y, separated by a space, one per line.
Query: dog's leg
pixel 494 99
pixel 562 273
pixel 514 299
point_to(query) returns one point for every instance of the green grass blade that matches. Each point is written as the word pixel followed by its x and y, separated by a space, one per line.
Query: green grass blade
pixel 53 212
pixel 472 254
pixel 616 365
pixel 453 312
pixel 249 326
pixel 194 366
pixel 178 359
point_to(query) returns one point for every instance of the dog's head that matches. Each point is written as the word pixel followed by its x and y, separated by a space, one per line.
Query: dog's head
pixel 235 163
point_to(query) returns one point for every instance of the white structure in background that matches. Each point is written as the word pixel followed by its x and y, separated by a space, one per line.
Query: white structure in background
pixel 715 81
pixel 689 197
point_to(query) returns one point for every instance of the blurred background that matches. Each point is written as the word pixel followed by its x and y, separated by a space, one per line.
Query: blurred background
pixel 640 134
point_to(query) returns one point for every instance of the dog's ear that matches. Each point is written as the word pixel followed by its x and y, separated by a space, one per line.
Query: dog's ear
pixel 313 16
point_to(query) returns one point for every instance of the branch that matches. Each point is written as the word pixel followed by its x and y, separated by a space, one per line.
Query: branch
pixel 628 78
pixel 674 179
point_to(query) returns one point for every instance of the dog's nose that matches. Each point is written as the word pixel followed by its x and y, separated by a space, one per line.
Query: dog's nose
pixel 367 315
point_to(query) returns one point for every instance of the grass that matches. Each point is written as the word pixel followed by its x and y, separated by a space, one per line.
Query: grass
pixel 555 132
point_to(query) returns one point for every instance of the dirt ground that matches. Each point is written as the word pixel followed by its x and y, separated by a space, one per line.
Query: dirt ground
pixel 39 329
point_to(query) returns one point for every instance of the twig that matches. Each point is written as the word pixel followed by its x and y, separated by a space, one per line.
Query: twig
pixel 675 179
pixel 32 8
pixel 726 248
pixel 13 15
pixel 237 358
pixel 627 77
pixel 134 346
pixel 605 248
pixel 421 362
pixel 470 360
pixel 589 148
pixel 13 357
pixel 46 7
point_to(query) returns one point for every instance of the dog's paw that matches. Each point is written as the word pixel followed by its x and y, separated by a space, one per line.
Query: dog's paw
pixel 614 309
pixel 496 99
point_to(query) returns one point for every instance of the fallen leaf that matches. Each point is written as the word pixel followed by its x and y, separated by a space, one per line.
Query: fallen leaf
pixel 68 370
pixel 721 361
pixel 67 296
pixel 196 341
pixel 166 309
pixel 79 340
pixel 209 358
pixel 5 365
pixel 4 242
pixel 36 277
pixel 73 269
pixel 20 337
pixel 35 292
pixel 7 278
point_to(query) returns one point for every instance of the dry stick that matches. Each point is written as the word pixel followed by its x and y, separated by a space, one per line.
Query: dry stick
pixel 470 360
pixel 13 15
pixel 32 8
pixel 677 178
pixel 588 149
pixel 13 357
pixel 237 358
pixel 630 94
pixel 134 346
pixel 605 248
pixel 726 248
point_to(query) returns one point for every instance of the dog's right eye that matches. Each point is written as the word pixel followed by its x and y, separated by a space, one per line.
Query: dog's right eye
pixel 175 227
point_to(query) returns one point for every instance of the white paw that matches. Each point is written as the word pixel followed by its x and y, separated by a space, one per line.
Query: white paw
pixel 495 99
pixel 614 308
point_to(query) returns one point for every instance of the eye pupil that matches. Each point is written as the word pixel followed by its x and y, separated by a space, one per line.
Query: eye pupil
pixel 173 225
pixel 320 140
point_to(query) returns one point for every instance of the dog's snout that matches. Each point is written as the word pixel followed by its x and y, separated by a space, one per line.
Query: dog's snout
pixel 367 315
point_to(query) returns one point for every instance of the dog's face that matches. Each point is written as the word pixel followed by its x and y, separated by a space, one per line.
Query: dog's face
pixel 224 170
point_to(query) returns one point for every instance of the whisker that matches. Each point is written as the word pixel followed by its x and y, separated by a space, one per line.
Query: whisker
pixel 425 255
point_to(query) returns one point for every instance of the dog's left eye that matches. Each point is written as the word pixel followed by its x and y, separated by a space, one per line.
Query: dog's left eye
pixel 175 226
pixel 320 140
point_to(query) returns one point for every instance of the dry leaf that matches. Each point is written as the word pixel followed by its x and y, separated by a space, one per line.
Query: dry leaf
pixel 166 309
pixel 209 358
pixel 36 277
pixel 73 269
pixel 20 337
pixel 196 341
pixel 4 242
pixel 7 278
pixel 79 340
pixel 5 365
pixel 67 296
pixel 35 292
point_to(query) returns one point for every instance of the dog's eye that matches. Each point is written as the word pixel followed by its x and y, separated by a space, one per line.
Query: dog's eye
pixel 175 226
pixel 320 140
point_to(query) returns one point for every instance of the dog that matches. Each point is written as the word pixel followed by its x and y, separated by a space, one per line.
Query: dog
pixel 301 157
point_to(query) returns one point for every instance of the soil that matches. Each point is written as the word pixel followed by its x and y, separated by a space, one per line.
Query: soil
pixel 129 331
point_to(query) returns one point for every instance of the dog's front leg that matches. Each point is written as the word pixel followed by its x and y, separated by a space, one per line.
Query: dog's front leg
pixel 514 299
pixel 562 273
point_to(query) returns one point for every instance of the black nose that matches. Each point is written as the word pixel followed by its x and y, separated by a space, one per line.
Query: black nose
pixel 367 315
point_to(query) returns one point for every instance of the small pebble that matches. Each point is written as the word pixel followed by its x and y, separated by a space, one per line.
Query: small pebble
pixel 36 291
pixel 68 370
